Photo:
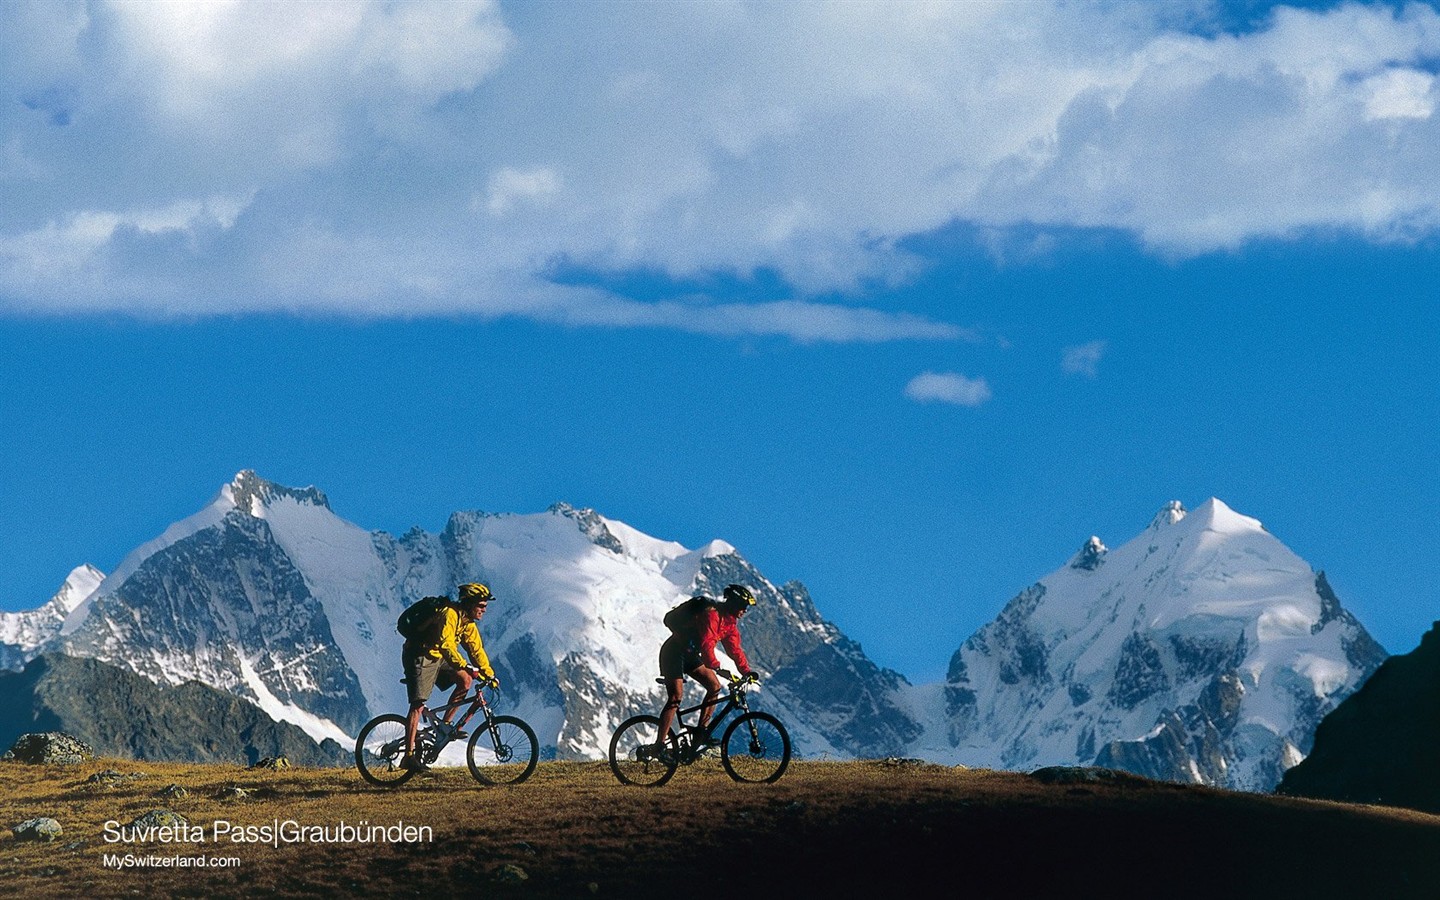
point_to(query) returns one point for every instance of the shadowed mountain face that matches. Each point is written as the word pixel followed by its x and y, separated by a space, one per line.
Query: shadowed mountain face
pixel 215 602
pixel 122 714
pixel 1382 744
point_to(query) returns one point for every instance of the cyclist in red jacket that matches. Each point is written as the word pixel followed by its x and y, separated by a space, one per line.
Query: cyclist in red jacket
pixel 697 626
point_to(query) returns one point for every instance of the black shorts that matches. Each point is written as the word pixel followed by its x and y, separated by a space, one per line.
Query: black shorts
pixel 679 655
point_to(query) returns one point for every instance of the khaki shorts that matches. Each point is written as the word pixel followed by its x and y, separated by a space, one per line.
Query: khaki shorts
pixel 423 672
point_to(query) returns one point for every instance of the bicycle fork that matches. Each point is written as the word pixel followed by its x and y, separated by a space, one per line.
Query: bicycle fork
pixel 502 752
pixel 757 746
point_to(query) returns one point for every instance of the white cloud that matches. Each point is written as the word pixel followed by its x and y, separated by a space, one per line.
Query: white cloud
pixel 75 245
pixel 195 58
pixel 1400 94
pixel 948 387
pixel 1084 359
pixel 447 155
pixel 509 187
pixel 1210 142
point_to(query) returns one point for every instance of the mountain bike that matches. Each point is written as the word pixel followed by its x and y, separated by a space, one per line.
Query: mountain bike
pixel 502 749
pixel 755 747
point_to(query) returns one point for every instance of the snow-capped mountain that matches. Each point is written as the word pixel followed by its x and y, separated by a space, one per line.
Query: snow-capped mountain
pixel 1202 650
pixel 266 593
pixel 33 628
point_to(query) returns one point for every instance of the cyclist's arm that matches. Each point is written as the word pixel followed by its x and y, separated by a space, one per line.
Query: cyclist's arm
pixel 470 639
pixel 731 642
pixel 709 636
pixel 448 650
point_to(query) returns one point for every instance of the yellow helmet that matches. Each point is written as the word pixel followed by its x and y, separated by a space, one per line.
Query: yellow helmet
pixel 474 592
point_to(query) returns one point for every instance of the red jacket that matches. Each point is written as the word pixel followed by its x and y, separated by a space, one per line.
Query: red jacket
pixel 721 628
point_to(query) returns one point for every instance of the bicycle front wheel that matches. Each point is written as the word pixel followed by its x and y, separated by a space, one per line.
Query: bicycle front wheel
pixel 756 748
pixel 635 757
pixel 503 751
pixel 379 750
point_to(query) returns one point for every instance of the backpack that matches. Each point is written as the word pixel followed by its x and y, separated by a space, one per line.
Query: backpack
pixel 421 617
pixel 681 618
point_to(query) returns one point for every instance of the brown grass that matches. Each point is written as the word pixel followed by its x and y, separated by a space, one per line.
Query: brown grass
pixel 863 829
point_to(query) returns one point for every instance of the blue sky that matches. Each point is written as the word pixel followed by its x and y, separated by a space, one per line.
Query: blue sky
pixel 903 300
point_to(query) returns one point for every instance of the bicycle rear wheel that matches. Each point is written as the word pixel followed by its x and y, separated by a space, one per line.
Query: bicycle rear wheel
pixel 379 750
pixel 634 757
pixel 756 748
pixel 505 752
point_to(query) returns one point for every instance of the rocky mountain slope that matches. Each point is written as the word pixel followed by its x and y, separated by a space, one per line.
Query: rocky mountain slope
pixel 1380 745
pixel 267 594
pixel 1203 650
pixel 119 713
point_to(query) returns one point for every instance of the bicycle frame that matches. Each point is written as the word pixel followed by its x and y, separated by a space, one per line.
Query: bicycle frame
pixel 733 701
pixel 434 717
pixel 502 749
pixel 755 747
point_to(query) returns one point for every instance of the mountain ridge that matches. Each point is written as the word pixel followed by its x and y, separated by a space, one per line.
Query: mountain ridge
pixel 266 593
pixel 1202 649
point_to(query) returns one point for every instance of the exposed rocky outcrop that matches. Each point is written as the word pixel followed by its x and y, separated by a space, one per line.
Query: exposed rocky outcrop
pixel 42 829
pixel 49 748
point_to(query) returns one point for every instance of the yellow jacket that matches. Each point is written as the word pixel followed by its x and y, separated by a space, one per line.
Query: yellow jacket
pixel 453 636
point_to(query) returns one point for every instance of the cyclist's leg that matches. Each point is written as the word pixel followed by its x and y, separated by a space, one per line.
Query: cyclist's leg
pixel 672 670
pixel 674 691
pixel 462 681
pixel 420 673
pixel 711 682
pixel 412 727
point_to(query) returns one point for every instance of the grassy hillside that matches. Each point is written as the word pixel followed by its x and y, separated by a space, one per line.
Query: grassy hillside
pixel 833 829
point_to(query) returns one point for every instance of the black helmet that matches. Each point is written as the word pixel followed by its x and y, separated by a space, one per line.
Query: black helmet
pixel 737 597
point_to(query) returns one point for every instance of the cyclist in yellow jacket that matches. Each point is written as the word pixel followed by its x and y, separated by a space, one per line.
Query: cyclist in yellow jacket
pixel 433 660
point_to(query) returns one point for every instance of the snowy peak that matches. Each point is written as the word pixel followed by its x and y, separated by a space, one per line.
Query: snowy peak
pixel 81 583
pixel 24 631
pixel 1090 555
pixel 267 594
pixel 1203 649
pixel 1214 515
pixel 246 493
pixel 1169 514
pixel 252 494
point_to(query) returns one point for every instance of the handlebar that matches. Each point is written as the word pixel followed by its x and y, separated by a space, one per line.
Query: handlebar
pixel 481 684
pixel 740 685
